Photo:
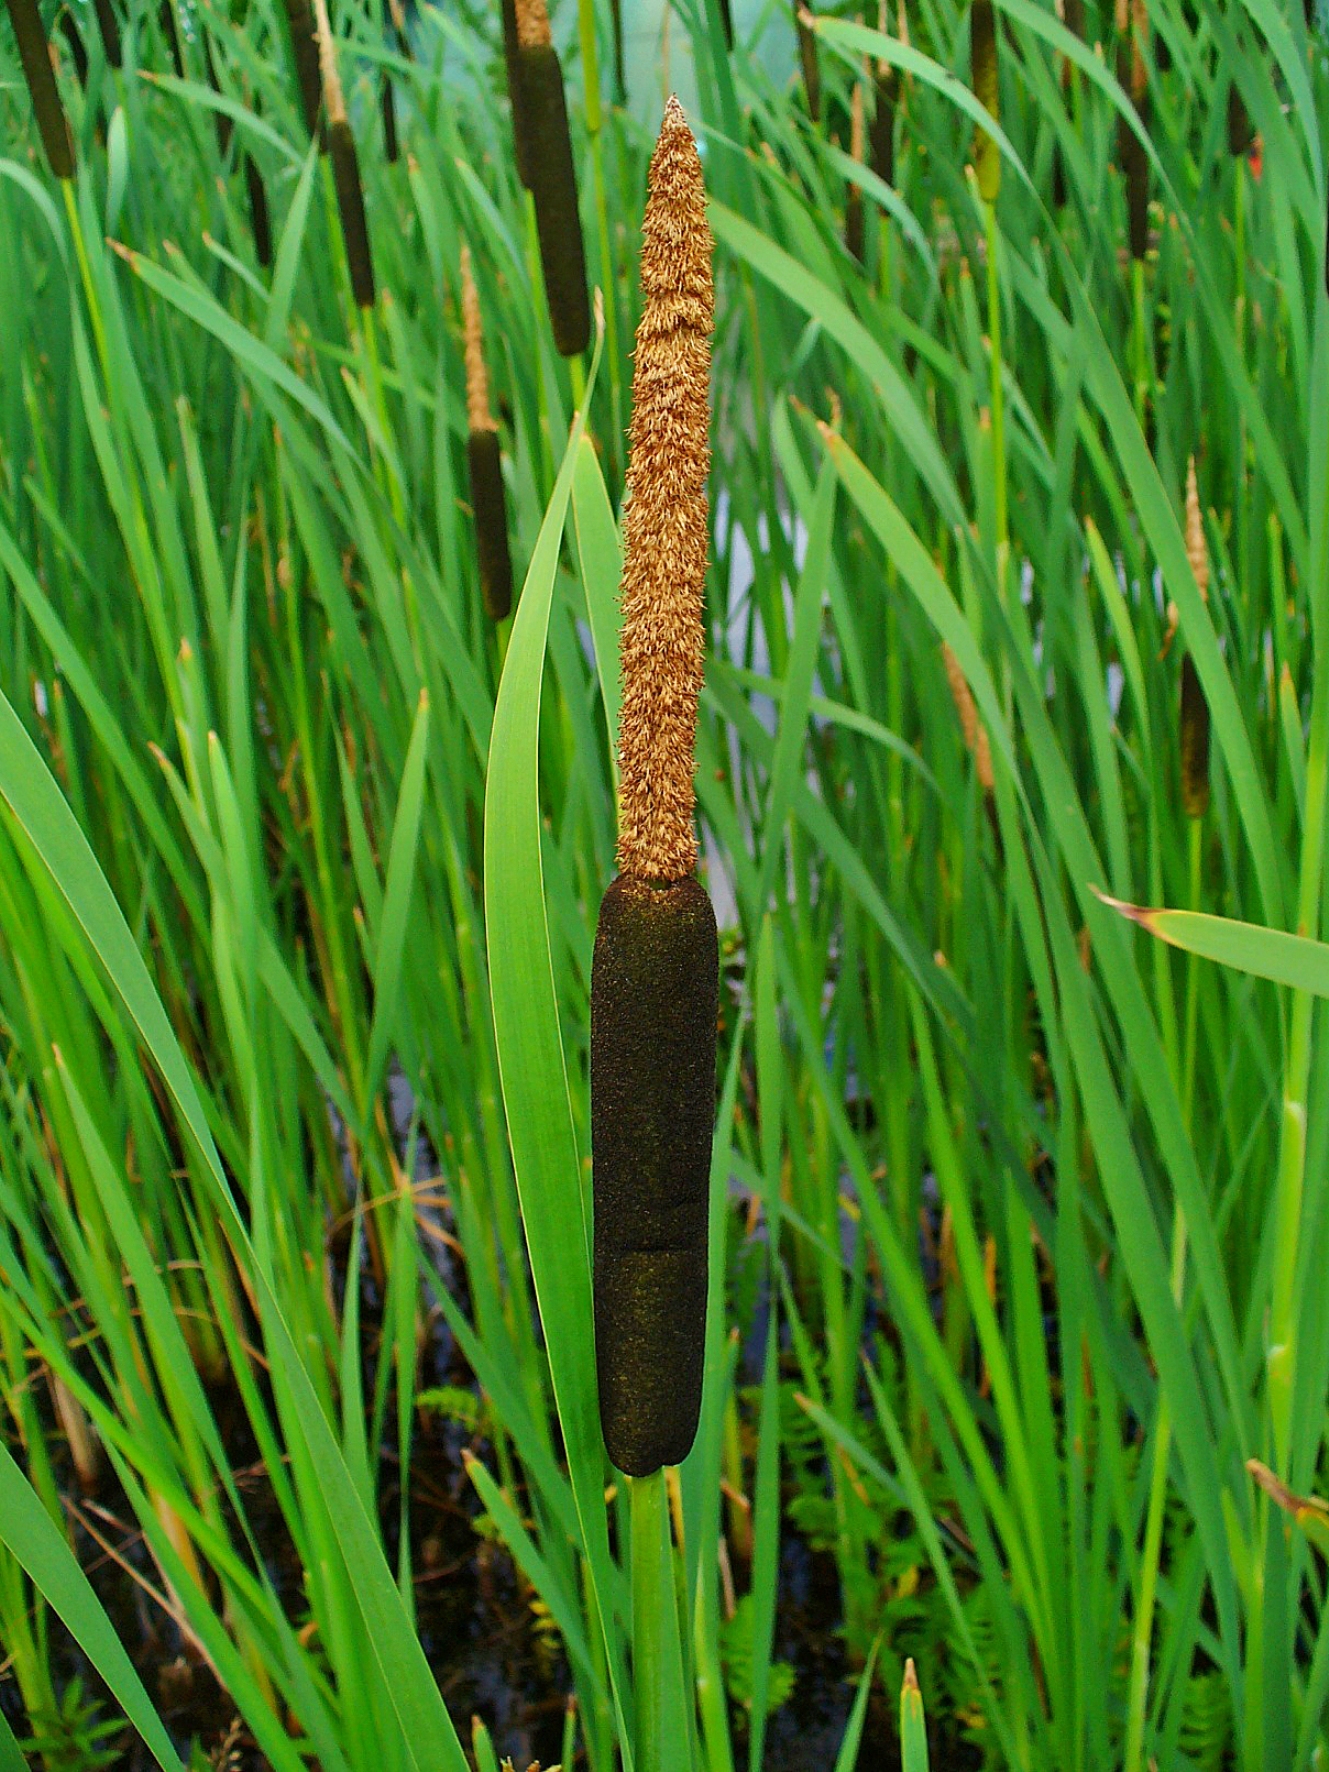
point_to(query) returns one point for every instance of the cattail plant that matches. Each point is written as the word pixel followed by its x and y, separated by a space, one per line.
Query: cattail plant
pixel 35 55
pixel 1194 707
pixel 552 178
pixel 655 971
pixel 77 48
pixel 983 65
pixel 345 167
pixel 488 499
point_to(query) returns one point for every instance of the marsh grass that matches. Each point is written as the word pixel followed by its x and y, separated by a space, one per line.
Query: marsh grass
pixel 1015 1227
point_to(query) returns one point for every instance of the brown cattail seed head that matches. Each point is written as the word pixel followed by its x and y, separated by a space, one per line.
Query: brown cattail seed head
pixel 665 519
pixel 552 179
pixel 1194 742
pixel 478 415
pixel 807 54
pixel 533 24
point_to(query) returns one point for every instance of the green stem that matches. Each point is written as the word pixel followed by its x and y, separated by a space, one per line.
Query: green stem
pixel 1153 1531
pixel 652 1600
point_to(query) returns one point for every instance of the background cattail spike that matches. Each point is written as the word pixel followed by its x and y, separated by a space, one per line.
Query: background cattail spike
pixel 34 53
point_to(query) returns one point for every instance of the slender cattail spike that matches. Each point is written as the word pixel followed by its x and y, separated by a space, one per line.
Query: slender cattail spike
pixel 170 29
pixel 983 62
pixel 1240 129
pixel 304 52
pixel 77 48
pixel 727 23
pixel 109 26
pixel 807 55
pixel 655 969
pixel 616 22
pixel 389 109
pixel 221 122
pixel 1122 25
pixel 1194 707
pixel 1136 159
pixel 258 213
pixel 345 167
pixel 973 729
pixel 853 203
pixel 552 179
pixel 1194 742
pixel 484 460
pixel 35 55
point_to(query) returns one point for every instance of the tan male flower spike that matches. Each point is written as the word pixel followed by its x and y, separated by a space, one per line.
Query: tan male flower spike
pixel 655 971
pixel 484 460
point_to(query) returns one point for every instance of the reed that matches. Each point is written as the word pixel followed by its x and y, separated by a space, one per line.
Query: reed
pixel 655 971
pixel 552 178
pixel 35 55
pixel 484 459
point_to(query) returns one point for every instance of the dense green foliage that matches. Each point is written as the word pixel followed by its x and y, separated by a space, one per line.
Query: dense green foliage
pixel 1018 1215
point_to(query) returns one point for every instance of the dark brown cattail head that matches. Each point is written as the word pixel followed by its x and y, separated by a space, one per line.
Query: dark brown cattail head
pixel 665 528
pixel 35 55
pixel 484 461
pixel 654 1000
pixel 1240 129
pixel 983 61
pixel 1136 159
pixel 552 179
pixel 655 970
pixel 220 121
pixel 304 51
pixel 109 26
pixel 520 132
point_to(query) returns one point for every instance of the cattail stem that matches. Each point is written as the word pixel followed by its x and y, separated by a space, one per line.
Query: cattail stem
pixel 655 969
pixel 35 55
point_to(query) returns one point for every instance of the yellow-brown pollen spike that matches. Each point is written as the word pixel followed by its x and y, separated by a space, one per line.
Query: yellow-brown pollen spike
pixel 665 525
pixel 478 415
